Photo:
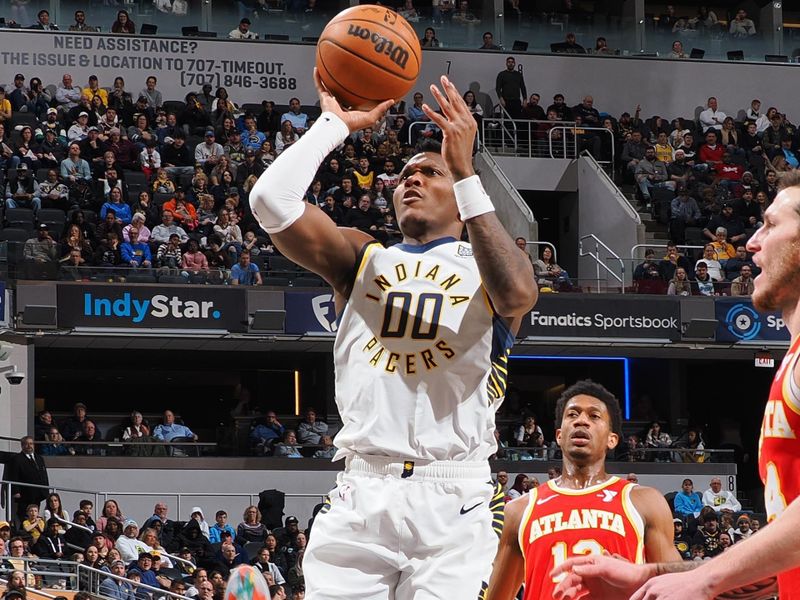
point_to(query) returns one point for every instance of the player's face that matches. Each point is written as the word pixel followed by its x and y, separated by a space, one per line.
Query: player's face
pixel 585 432
pixel 776 248
pixel 424 198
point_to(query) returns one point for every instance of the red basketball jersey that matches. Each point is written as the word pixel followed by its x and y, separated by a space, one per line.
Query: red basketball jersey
pixel 560 523
pixel 779 453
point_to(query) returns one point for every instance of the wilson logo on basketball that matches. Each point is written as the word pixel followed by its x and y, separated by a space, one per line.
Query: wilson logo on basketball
pixel 396 54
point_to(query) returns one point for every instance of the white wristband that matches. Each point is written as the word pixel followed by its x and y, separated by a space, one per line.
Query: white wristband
pixel 471 199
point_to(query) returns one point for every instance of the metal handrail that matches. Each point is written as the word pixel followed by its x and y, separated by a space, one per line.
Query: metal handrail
pixel 505 182
pixel 30 589
pixel 144 586
pixel 621 199
pixel 71 524
pixel 599 262
pixel 506 116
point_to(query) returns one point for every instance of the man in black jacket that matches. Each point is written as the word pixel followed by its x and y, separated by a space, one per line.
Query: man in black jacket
pixel 510 88
pixel 27 467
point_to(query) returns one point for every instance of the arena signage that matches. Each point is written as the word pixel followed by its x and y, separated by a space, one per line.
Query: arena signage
pixel 162 307
pixel 310 312
pixel 606 316
pixel 738 321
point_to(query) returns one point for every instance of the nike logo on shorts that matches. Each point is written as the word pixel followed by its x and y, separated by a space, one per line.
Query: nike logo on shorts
pixel 466 510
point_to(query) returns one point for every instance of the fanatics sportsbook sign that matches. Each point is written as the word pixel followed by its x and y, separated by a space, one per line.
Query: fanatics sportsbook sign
pixel 145 306
pixel 607 316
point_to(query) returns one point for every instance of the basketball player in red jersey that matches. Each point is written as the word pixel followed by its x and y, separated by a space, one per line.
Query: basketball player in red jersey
pixel 774 551
pixel 585 511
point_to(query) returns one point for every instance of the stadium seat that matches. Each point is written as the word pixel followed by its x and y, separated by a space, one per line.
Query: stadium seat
pixel 171 279
pixel 19 216
pixel 276 37
pixel 697 53
pixel 141 278
pixel 148 29
pixel 190 31
pixel 53 217
pixel 160 198
pixel 281 264
pixel 736 55
pixel 135 178
pixel 41 174
pixel 276 281
pixel 175 106
pixel 14 234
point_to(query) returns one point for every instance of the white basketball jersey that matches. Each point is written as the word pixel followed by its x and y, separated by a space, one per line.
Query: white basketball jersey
pixel 421 358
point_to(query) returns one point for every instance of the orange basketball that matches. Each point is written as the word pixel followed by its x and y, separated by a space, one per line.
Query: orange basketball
pixel 367 54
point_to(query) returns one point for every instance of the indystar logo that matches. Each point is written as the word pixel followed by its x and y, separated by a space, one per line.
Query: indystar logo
pixel 158 306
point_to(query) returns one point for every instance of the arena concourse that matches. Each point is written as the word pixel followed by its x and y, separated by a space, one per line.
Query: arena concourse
pixel 113 189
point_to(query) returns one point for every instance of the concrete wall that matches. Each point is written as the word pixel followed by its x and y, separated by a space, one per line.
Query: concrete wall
pixel 544 174
pixel 511 209
pixel 604 212
pixel 16 401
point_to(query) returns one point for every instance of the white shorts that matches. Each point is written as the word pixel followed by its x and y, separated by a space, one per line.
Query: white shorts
pixel 397 532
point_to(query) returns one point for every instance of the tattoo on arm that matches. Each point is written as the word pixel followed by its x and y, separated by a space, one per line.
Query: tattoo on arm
pixel 505 271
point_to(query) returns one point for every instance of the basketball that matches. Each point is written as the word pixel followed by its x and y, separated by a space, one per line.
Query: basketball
pixel 368 54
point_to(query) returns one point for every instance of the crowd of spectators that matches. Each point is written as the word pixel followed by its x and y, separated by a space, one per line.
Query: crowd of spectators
pixel 309 436
pixel 188 558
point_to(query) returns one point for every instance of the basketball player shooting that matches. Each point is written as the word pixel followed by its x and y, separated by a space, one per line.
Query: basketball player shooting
pixel 748 568
pixel 585 511
pixel 420 357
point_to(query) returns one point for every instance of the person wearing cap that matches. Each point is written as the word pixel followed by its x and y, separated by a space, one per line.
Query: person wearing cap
pixel 682 539
pixel 93 89
pixel 684 212
pixel 117 589
pixel 23 190
pixel 18 95
pixel 80 130
pixel 243 32
pixel 5 536
pixel 50 122
pixel 51 544
pixel 728 220
pixel 209 152
pixel 128 545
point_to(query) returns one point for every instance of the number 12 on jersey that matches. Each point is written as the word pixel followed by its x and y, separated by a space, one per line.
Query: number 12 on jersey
pixel 581 547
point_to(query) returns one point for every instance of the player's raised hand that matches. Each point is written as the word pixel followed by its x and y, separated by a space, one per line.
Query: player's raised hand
pixel 600 577
pixel 355 119
pixel 458 128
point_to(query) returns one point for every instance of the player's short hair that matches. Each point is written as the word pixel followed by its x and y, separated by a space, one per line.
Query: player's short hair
pixel 588 387
pixel 431 146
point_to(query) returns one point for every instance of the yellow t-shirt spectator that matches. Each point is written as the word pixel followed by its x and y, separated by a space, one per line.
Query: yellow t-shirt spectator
pixel 664 153
pixel 98 92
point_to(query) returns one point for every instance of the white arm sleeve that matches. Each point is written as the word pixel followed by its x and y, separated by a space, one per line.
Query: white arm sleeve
pixel 277 197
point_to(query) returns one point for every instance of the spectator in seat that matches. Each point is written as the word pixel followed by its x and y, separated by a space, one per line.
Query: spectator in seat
pixel 192 538
pixel 651 173
pixel 170 430
pixel 680 284
pixel 175 156
pixel 722 248
pixel 529 434
pixel 108 226
pixel 728 220
pixel 52 192
pixel 742 27
pixel 221 525
pixel 168 256
pixel 633 151
pixel 677 50
pixel 268 431
pixel 209 152
pixel 136 254
pixel 41 249
pixel 90 434
pixel 743 529
pixel 23 190
pixel 570 45
pixel 711 118
pixel 682 540
pixel 743 285
pixel 138 429
pixel 722 501
pixel 123 24
pixel 128 545
pixel 684 212
pixel 245 272
pixel 647 269
pixel 298 119
pixel 167 227
pixel 688 503
pixel 702 279
pixel 117 589
pixel 50 544
pixel 287 448
pixel 734 265
pixel 263 564
pixel 55 445
pixel 228 560
pixel 328 450
pixel 708 535
pixel 122 211
pixel 68 95
pixel 74 168
pixel 772 136
pixel 194 261
pixel 72 428
pixel 310 430
pixel 251 529
pixel 728 173
pixel 488 39
pixel 145 206
pixel 657 438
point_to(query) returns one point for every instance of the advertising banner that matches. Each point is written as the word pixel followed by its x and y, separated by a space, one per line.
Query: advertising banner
pixel 738 321
pixel 606 316
pixel 310 312
pixel 153 307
